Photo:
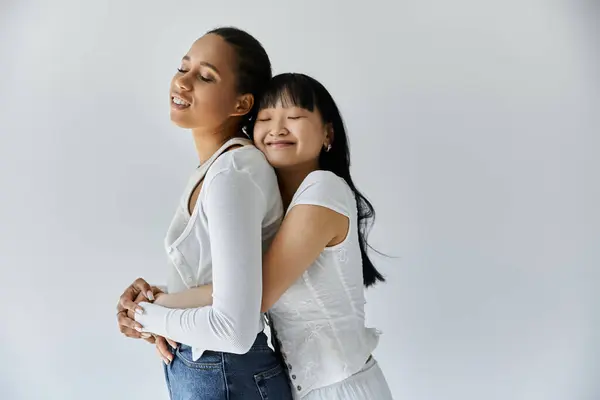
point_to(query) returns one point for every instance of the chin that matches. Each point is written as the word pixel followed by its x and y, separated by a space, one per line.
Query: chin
pixel 181 122
pixel 281 162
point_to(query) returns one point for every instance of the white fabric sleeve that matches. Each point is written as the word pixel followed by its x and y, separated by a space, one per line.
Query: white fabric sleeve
pixel 325 189
pixel 235 206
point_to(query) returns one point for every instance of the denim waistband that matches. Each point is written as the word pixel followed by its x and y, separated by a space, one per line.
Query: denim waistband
pixel 261 344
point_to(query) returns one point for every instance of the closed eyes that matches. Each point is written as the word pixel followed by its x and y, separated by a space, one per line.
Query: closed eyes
pixel 202 78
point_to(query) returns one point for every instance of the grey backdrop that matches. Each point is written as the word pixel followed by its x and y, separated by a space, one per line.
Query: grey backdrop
pixel 474 129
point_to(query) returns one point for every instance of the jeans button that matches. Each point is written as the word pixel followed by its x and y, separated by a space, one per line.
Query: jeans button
pixel 299 387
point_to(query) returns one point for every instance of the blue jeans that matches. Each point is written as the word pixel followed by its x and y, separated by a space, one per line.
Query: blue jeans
pixel 258 374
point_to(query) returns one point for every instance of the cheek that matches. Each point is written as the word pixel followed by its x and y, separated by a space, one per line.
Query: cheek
pixel 207 99
pixel 310 141
pixel 258 135
pixel 212 105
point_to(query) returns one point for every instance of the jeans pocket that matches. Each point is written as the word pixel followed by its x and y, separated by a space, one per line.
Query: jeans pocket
pixel 273 384
pixel 208 360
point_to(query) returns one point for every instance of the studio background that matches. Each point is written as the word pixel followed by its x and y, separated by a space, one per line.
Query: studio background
pixel 474 130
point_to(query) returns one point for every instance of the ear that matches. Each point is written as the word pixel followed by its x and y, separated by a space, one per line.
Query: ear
pixel 243 105
pixel 329 133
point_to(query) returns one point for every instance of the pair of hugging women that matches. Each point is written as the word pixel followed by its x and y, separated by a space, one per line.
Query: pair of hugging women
pixel 270 231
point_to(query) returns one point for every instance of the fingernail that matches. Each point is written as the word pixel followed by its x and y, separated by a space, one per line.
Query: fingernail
pixel 139 311
pixel 137 328
pixel 150 295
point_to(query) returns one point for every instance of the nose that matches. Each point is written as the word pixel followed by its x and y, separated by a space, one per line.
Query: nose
pixel 183 83
pixel 279 130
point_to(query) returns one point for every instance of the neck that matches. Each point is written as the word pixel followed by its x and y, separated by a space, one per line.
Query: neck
pixel 207 142
pixel 290 179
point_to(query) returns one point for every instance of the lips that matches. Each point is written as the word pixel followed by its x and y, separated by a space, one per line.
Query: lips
pixel 178 102
pixel 280 144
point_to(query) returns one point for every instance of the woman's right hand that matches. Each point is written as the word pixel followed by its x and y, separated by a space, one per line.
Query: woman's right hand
pixel 161 343
pixel 139 290
pixel 162 348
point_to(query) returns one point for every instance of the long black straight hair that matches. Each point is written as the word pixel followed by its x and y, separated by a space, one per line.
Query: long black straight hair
pixel 299 90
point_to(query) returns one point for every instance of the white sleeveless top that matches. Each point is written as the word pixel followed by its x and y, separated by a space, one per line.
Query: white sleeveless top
pixel 237 213
pixel 320 320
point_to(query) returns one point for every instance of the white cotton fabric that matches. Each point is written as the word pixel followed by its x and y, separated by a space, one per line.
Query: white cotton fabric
pixel 237 214
pixel 367 384
pixel 320 320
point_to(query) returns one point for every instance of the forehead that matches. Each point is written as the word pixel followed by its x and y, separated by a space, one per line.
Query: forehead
pixel 282 106
pixel 286 108
pixel 214 50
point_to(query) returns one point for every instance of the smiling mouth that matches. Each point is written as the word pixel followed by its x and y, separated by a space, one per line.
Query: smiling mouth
pixel 179 103
pixel 280 144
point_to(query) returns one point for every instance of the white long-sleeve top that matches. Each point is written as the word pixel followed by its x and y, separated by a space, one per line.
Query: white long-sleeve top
pixel 237 214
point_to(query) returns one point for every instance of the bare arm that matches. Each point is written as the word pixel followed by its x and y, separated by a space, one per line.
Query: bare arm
pixel 304 234
pixel 192 298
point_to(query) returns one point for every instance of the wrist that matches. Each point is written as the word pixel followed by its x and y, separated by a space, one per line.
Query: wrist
pixel 159 298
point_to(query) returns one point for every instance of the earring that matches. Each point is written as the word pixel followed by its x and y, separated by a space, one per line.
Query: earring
pixel 328 148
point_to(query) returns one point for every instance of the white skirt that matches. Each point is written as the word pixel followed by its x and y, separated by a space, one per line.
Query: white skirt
pixel 367 384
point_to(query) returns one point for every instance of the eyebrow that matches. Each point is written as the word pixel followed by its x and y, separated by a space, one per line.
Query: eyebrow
pixel 206 64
